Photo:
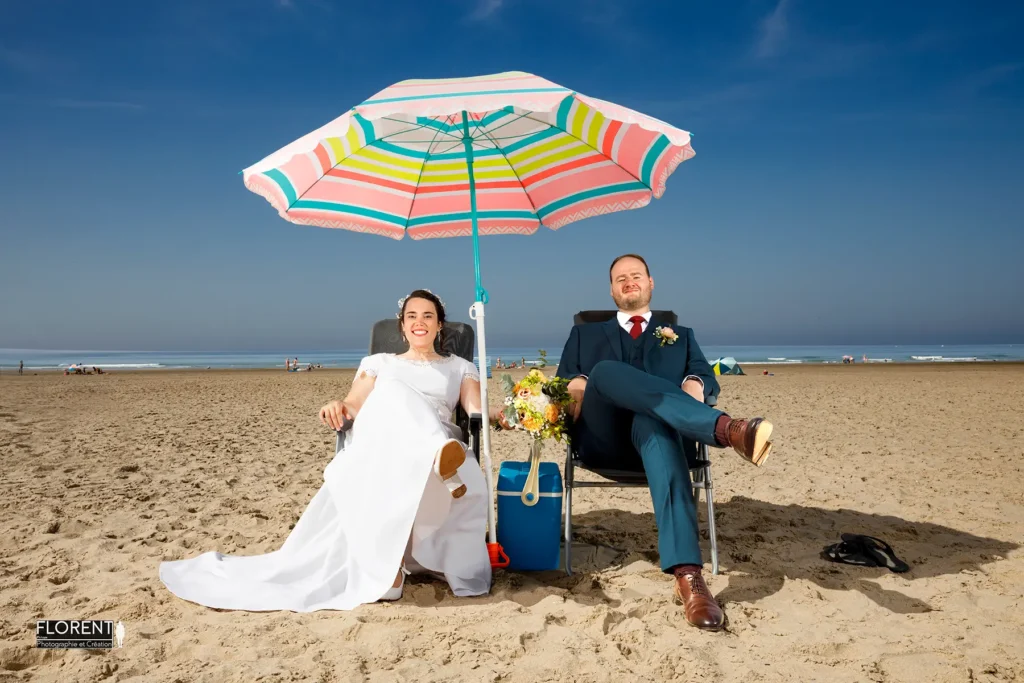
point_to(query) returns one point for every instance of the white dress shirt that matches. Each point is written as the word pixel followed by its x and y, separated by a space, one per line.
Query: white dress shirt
pixel 626 325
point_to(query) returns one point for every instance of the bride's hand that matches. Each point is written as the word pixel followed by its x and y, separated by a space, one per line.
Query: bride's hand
pixel 335 413
pixel 498 415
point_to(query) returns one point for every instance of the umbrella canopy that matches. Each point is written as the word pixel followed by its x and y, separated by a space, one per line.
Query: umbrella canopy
pixel 727 366
pixel 541 154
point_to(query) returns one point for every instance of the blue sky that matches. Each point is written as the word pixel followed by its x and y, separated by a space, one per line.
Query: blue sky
pixel 858 176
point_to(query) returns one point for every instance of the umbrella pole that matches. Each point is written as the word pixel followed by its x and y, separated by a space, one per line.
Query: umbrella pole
pixel 476 312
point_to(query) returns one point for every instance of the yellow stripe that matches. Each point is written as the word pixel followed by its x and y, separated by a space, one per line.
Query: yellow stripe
pixel 578 117
pixel 461 165
pixel 554 143
pixel 576 150
pixel 392 159
pixel 352 137
pixel 502 174
pixel 337 148
pixel 594 134
pixel 382 171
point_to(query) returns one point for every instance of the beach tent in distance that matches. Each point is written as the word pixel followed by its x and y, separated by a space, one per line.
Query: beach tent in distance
pixel 727 366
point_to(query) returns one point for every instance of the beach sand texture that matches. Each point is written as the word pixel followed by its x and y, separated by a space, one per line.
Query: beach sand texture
pixel 105 476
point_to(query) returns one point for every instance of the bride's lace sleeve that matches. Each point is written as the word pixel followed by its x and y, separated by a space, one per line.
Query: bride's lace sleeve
pixel 370 365
pixel 469 371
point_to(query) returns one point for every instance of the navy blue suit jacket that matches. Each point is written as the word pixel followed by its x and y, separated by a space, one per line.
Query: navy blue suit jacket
pixel 591 343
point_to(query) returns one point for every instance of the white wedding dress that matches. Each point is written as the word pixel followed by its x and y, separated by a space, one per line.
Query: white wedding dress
pixel 378 492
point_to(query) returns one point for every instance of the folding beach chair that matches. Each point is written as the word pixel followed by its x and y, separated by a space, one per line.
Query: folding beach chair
pixel 700 463
pixel 458 340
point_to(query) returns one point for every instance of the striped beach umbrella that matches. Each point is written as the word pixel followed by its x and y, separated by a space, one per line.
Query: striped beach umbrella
pixel 491 155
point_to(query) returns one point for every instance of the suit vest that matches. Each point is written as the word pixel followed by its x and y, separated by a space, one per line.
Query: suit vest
pixel 632 349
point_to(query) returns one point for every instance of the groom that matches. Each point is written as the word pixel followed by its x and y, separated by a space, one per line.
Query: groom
pixel 639 388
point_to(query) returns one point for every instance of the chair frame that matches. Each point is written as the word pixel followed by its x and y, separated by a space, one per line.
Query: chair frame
pixel 700 471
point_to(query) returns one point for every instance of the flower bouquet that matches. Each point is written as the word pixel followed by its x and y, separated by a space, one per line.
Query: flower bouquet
pixel 537 405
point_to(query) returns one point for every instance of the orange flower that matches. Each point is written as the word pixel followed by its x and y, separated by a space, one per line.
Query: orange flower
pixel 551 413
pixel 531 423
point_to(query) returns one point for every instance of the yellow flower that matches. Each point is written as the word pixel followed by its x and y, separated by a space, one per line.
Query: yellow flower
pixel 551 413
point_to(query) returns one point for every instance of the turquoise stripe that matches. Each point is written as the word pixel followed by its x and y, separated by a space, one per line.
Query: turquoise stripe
pixel 435 124
pixel 368 132
pixel 349 208
pixel 562 120
pixel 652 156
pixel 633 186
pixel 466 215
pixel 496 116
pixel 386 146
pixel 282 181
pixel 477 153
pixel 536 137
pixel 462 94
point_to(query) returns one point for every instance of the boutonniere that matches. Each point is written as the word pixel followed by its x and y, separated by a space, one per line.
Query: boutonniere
pixel 666 335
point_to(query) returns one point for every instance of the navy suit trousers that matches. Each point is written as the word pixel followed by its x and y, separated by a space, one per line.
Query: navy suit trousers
pixel 632 419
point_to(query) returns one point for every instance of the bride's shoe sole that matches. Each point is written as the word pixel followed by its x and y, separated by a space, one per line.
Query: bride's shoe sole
pixel 762 443
pixel 446 466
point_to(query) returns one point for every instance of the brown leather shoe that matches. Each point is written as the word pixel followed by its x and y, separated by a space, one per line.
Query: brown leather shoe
pixel 751 439
pixel 702 610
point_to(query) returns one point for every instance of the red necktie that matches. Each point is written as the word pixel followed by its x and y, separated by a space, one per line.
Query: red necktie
pixel 638 326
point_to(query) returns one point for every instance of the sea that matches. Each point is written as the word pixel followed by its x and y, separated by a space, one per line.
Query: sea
pixel 35 359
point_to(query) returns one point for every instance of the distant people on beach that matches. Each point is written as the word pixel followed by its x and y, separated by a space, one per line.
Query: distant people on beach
pixel 21 367
pixel 287 364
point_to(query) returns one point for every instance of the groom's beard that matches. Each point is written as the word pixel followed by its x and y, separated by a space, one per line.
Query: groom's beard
pixel 632 302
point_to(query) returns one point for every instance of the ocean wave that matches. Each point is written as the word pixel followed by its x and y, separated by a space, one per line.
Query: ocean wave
pixel 770 362
pixel 123 366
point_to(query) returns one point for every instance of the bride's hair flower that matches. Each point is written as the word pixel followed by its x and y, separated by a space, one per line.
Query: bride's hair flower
pixel 401 302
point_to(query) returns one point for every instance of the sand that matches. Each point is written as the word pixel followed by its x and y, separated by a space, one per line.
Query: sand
pixel 105 476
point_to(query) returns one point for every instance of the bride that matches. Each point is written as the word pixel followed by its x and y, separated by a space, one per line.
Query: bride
pixel 401 496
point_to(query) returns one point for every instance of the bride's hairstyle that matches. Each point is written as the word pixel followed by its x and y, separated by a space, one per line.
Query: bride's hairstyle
pixel 438 305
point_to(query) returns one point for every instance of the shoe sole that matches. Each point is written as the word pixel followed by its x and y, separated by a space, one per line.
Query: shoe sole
pixel 762 443
pixel 448 462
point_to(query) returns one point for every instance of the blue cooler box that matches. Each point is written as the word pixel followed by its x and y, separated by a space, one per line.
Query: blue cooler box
pixel 530 534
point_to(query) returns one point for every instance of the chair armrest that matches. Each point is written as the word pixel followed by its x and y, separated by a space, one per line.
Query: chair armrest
pixel 476 422
pixel 339 443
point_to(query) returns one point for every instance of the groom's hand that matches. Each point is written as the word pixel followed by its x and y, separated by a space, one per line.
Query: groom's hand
pixel 577 387
pixel 335 413
pixel 694 389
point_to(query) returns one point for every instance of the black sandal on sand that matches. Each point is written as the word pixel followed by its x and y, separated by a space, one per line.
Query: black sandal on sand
pixel 881 552
pixel 864 551
pixel 848 553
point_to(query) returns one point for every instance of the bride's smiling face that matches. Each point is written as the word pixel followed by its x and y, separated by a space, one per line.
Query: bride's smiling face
pixel 419 324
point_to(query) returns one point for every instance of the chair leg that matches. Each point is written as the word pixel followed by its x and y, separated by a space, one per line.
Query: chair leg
pixel 570 473
pixel 712 532
pixel 568 531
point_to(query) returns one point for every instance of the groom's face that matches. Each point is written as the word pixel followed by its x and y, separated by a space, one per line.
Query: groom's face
pixel 631 285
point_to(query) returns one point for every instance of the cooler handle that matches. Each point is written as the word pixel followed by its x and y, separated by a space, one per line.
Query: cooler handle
pixel 531 490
